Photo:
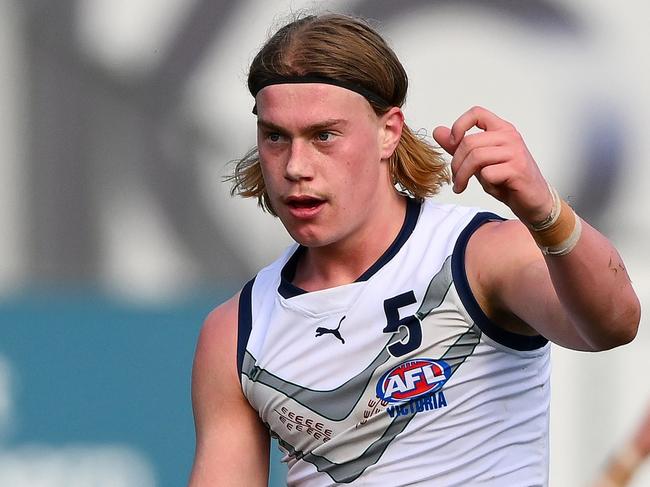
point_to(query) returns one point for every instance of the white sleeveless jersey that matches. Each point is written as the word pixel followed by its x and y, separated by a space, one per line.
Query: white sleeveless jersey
pixel 397 378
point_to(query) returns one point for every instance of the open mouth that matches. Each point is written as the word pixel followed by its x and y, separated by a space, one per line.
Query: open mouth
pixel 304 205
pixel 306 202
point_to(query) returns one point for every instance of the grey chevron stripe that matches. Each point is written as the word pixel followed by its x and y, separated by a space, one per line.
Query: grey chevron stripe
pixel 437 290
pixel 349 471
pixel 462 348
pixel 350 392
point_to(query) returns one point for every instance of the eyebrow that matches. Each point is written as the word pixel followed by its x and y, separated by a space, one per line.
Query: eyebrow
pixel 315 127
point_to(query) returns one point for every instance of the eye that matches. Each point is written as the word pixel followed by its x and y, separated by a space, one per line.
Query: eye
pixel 325 136
pixel 273 137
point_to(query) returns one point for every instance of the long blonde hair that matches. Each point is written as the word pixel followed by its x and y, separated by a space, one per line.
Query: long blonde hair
pixel 347 49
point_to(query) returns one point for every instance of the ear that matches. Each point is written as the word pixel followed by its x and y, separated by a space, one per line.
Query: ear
pixel 391 124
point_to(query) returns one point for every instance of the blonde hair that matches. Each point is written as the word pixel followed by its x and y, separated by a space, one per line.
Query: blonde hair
pixel 347 49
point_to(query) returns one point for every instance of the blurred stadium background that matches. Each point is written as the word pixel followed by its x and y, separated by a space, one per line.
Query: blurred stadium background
pixel 118 236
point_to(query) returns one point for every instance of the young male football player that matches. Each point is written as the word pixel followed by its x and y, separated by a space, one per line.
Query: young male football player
pixel 399 341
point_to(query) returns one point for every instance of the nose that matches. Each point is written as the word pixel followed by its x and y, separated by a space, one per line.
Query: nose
pixel 298 165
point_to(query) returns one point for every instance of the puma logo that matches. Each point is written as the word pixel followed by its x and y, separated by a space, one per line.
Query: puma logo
pixel 321 331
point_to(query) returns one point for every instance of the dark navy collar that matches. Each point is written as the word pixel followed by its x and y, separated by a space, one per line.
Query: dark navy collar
pixel 288 290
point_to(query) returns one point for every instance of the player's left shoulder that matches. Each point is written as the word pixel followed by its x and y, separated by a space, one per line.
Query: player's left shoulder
pixel 500 241
pixel 496 255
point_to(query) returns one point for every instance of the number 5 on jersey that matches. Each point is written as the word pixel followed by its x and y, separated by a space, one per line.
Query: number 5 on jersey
pixel 411 323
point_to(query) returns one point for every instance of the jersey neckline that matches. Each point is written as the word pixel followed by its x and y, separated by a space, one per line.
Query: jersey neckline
pixel 287 289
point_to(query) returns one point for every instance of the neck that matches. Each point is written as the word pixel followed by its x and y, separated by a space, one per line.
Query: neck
pixel 345 261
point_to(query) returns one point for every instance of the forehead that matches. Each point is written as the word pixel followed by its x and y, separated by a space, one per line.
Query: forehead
pixel 293 102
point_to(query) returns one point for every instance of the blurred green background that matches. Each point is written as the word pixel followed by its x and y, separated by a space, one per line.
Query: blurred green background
pixel 88 371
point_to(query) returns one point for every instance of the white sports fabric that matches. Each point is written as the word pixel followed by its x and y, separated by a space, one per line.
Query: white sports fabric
pixel 398 378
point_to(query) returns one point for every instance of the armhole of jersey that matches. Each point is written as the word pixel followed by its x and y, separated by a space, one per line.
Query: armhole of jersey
pixel 509 339
pixel 244 323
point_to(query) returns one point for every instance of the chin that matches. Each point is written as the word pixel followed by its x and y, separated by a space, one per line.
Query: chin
pixel 309 238
pixel 308 234
pixel 308 241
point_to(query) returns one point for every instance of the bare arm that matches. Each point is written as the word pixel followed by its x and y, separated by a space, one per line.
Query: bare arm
pixel 582 300
pixel 232 445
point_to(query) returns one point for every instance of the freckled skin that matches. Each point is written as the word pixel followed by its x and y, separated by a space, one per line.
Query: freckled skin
pixel 327 142
pixel 297 161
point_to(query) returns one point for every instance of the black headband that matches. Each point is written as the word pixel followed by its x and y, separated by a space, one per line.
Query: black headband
pixel 369 95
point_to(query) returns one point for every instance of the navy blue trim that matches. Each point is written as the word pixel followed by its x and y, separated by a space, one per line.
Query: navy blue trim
pixel 410 220
pixel 512 340
pixel 245 323
pixel 288 290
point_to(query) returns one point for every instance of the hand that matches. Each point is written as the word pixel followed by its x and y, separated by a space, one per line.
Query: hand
pixel 499 159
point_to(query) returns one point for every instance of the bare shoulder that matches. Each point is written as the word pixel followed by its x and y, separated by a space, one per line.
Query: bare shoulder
pixel 214 374
pixel 498 248
pixel 220 325
pixel 497 255
pixel 500 233
pixel 216 349
pixel 226 424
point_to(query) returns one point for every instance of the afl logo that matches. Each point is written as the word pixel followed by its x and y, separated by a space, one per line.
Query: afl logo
pixel 413 378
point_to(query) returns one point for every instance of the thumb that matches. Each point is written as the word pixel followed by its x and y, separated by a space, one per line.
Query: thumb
pixel 442 136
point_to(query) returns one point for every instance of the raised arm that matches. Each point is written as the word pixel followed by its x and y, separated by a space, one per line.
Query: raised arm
pixel 582 299
pixel 232 446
